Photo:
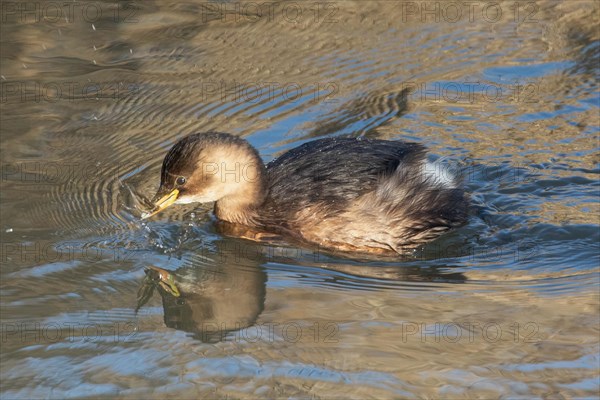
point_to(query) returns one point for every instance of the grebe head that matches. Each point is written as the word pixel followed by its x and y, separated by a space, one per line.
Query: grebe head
pixel 207 167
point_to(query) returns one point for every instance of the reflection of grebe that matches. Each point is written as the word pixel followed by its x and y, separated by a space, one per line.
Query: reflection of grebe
pixel 208 302
pixel 347 194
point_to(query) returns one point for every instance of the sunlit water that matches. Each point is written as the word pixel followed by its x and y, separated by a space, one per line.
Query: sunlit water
pixel 506 306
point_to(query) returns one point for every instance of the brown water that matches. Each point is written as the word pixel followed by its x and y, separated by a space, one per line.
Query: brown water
pixel 507 306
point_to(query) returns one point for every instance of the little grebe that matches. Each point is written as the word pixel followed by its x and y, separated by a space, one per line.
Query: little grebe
pixel 359 195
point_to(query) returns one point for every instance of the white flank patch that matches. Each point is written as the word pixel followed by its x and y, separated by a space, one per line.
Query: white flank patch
pixel 440 172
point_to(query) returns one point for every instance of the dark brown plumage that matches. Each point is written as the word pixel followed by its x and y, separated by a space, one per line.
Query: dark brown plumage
pixel 347 194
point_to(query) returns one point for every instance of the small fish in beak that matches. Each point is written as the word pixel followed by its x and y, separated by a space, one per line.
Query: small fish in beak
pixel 164 202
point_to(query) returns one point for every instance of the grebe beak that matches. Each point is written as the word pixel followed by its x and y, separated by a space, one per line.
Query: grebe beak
pixel 162 203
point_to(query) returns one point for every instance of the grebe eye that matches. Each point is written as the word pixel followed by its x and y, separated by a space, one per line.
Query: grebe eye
pixel 180 181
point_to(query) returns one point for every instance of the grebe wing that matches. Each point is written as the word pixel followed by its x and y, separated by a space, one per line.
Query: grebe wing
pixel 331 172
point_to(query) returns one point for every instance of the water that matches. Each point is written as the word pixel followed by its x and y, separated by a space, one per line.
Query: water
pixel 505 307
